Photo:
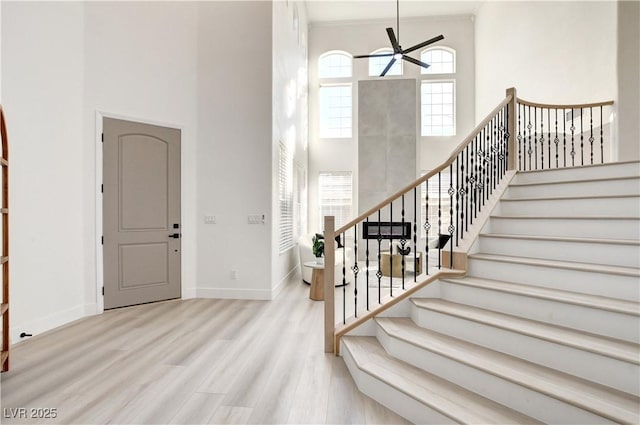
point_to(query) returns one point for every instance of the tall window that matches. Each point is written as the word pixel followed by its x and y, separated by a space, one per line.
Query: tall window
pixel 335 65
pixel 438 96
pixel 336 195
pixel 441 59
pixel 335 111
pixel 378 64
pixel 336 105
pixel 438 117
pixel 285 197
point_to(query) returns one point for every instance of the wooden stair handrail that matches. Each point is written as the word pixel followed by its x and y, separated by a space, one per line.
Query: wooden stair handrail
pixel 576 106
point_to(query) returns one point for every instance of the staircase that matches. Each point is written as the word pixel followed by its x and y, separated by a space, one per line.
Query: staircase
pixel 545 326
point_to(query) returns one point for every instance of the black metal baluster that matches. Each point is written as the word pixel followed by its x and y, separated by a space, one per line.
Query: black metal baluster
pixel 379 272
pixel 541 138
pixel 520 164
pixel 366 265
pixel 467 191
pixel 507 135
pixel 573 148
pixel 591 139
pixel 601 138
pixel 472 181
pixel 451 226
pixel 462 197
pixel 415 234
pixel 439 218
pixel 355 269
pixel 344 278
pixel 556 140
pixel 458 199
pixel 549 133
pixel 391 250
pixel 403 242
pixel 427 225
pixel 529 150
pixel 581 139
pixel 535 136
pixel 564 137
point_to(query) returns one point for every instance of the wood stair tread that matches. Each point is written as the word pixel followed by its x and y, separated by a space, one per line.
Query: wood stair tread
pixel 561 217
pixel 606 346
pixel 598 399
pixel 563 239
pixel 557 182
pixel 595 301
pixel 449 399
pixel 570 265
pixel 560 198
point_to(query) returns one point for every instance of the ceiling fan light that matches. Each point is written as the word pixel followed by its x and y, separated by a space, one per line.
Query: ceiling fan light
pixel 397 56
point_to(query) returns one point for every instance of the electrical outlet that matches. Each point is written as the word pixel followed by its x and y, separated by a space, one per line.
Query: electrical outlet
pixel 210 219
pixel 234 274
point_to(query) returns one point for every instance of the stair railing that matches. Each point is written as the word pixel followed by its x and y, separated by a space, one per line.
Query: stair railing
pixel 386 250
pixel 558 136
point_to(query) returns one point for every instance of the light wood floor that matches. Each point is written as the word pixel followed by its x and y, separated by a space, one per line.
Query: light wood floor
pixel 195 361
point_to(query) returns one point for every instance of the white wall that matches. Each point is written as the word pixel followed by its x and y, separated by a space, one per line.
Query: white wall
pixel 142 74
pixel 629 80
pixel 42 89
pixel 365 37
pixel 205 68
pixel 234 148
pixel 551 52
pixel 289 118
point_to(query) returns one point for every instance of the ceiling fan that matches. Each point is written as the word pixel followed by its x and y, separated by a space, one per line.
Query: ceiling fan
pixel 398 52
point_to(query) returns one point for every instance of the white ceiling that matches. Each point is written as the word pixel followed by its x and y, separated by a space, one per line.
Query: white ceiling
pixel 355 10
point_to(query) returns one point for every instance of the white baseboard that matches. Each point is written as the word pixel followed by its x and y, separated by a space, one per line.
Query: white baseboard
pixel 283 282
pixel 234 293
pixel 189 293
pixel 44 324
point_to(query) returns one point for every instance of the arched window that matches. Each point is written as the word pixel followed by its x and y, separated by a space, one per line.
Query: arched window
pixel 335 64
pixel 378 64
pixel 441 59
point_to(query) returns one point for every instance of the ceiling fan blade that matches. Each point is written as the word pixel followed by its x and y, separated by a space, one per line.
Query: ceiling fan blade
pixel 415 61
pixel 394 41
pixel 423 44
pixel 376 55
pixel 389 65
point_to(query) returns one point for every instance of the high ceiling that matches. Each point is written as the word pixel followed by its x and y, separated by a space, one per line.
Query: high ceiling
pixel 353 10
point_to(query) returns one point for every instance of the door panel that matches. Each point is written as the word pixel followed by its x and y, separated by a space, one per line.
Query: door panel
pixel 141 207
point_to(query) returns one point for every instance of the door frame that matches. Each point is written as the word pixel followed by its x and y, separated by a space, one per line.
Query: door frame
pixel 100 115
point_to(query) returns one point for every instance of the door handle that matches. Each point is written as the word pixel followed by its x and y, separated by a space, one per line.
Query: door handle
pixel 175 235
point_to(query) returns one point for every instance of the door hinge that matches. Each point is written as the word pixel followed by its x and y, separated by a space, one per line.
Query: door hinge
pixel 102 239
pixel 103 137
pixel 103 291
pixel 102 188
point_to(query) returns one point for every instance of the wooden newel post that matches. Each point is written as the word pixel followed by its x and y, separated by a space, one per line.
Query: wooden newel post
pixel 513 154
pixel 329 268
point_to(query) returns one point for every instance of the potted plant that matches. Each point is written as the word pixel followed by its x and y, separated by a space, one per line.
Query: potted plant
pixel 318 248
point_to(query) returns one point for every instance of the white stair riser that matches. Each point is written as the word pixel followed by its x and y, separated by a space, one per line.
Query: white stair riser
pixel 579 188
pixel 594 367
pixel 510 394
pixel 391 397
pixel 602 322
pixel 604 284
pixel 579 173
pixel 582 207
pixel 628 229
pixel 581 252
